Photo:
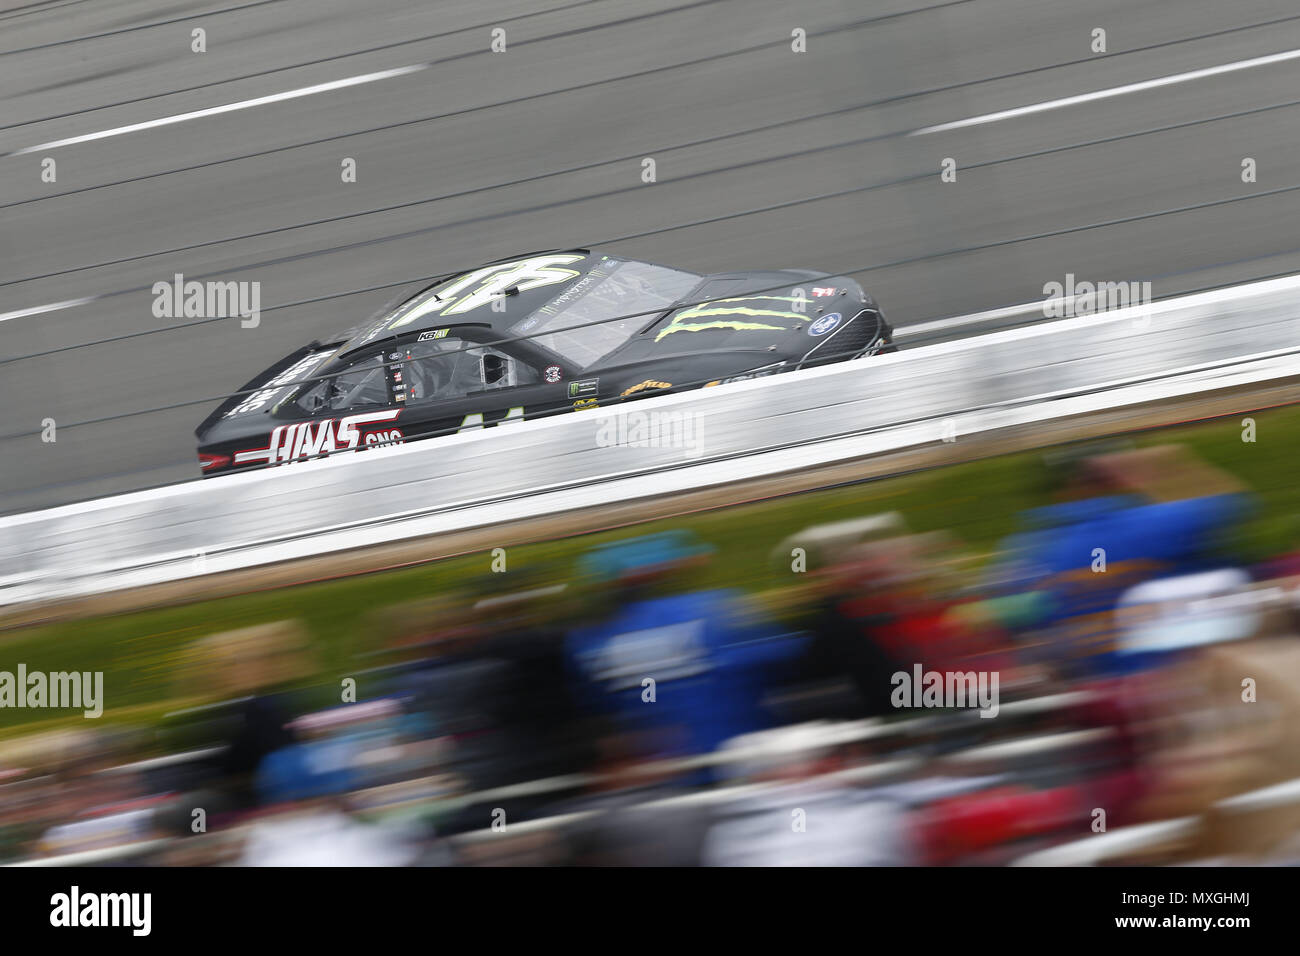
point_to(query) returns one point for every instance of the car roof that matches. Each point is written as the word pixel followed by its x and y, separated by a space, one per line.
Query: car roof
pixel 538 276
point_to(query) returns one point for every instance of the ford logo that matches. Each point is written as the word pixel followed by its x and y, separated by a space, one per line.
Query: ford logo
pixel 824 324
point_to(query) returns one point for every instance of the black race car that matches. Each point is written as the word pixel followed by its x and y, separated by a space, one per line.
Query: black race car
pixel 531 336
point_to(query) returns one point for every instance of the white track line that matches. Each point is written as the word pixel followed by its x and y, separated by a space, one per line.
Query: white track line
pixel 50 307
pixel 978 318
pixel 228 108
pixel 1112 91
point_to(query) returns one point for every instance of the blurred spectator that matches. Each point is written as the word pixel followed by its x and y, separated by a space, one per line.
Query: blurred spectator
pixel 536 717
pixel 248 674
pixel 320 833
pixel 1122 518
pixel 694 663
pixel 450 688
pixel 633 813
pixel 637 716
pixel 803 817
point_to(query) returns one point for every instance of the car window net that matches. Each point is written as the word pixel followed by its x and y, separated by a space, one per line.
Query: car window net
pixel 444 368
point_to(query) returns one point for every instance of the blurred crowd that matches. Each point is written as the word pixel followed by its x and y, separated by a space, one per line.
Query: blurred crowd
pixel 619 713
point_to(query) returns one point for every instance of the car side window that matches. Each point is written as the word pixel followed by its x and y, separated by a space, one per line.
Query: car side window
pixel 361 383
pixel 449 367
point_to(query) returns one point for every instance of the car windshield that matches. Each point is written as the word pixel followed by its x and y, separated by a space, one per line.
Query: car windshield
pixel 614 288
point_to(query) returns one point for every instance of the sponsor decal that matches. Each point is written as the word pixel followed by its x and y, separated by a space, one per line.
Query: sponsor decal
pixel 589 386
pixel 393 436
pixel 574 291
pixel 263 396
pixel 720 314
pixel 644 386
pixel 370 333
pixel 552 374
pixel 433 334
pixel 309 439
pixel 396 382
pixel 824 324
pixel 585 403
pixel 746 376
pixel 823 291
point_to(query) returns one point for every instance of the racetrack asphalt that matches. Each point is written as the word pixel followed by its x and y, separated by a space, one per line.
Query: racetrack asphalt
pixel 464 155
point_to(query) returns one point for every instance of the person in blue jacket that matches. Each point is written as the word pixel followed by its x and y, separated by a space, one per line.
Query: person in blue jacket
pixel 1083 552
pixel 690 667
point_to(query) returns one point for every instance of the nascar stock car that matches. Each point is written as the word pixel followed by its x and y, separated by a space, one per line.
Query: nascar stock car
pixel 532 336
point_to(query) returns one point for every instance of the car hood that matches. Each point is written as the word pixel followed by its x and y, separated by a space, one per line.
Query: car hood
pixel 749 312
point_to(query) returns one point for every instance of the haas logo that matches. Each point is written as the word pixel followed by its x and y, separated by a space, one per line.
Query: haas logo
pixel 309 439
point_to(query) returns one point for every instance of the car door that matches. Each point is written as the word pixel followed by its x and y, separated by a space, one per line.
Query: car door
pixel 450 380
pixel 350 410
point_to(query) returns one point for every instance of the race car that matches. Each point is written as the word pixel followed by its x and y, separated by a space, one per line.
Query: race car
pixel 533 336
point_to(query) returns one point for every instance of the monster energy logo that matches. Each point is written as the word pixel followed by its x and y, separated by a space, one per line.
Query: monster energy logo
pixel 742 318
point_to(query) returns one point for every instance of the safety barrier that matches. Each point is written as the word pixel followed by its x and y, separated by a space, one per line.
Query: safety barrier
pixel 660 446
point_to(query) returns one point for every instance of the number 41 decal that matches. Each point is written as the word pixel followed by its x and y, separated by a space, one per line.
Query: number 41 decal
pixel 476 419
